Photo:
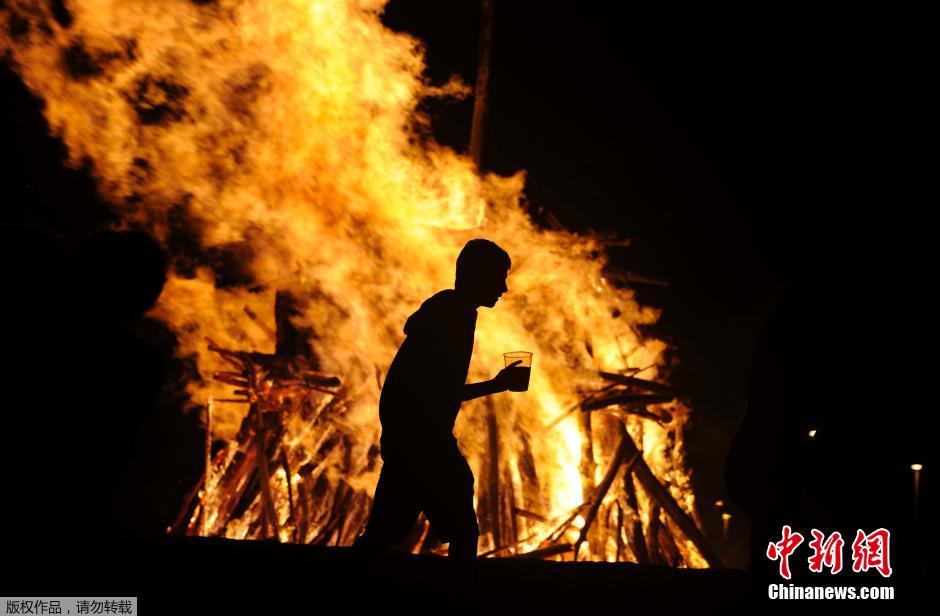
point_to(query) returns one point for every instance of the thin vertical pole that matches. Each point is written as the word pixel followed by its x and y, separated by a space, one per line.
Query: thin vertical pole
pixel 482 86
pixel 492 434
pixel 205 486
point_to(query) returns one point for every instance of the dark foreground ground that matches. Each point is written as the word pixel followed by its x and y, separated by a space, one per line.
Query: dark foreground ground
pixel 219 576
pixel 196 575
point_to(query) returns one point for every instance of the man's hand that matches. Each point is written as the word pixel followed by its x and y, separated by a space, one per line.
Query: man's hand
pixel 503 379
pixel 495 385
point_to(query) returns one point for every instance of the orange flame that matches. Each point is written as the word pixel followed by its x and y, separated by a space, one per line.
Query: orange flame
pixel 278 145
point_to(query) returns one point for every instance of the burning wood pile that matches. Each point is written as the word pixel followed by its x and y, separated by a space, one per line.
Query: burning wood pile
pixel 281 152
pixel 260 485
pixel 263 485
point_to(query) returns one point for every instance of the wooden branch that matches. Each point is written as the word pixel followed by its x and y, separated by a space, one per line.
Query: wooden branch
pixel 632 277
pixel 230 379
pixel 319 379
pixel 190 503
pixel 279 388
pixel 555 535
pixel 661 495
pixel 644 384
pixel 482 85
pixel 532 496
pixel 506 548
pixel 552 220
pixel 430 542
pixel 290 489
pixel 531 515
pixel 546 552
pixel 668 545
pixel 300 535
pixel 492 471
pixel 565 413
pixel 415 534
pixel 510 533
pixel 653 547
pixel 340 503
pixel 623 412
pixel 269 512
pixel 208 467
pixel 612 239
pixel 618 526
pixel 574 407
pixel 637 541
pixel 233 357
pixel 310 380
pixel 321 497
pixel 268 515
pixel 267 329
pixel 587 466
pixel 231 486
pixel 313 411
pixel 619 457
pixel 221 486
pixel 353 518
pixel 624 398
pixel 245 490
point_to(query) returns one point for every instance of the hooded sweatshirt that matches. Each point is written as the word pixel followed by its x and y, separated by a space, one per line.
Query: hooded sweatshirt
pixel 423 389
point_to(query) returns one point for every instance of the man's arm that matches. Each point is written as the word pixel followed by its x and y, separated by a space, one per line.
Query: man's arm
pixel 495 385
pixel 483 388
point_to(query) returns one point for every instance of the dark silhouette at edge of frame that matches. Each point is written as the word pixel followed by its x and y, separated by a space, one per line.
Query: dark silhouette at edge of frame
pixel 82 384
pixel 832 425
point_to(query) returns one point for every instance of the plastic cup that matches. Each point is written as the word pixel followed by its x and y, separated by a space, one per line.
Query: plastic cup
pixel 519 374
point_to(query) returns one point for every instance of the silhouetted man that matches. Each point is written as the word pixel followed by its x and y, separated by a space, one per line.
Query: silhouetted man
pixel 423 469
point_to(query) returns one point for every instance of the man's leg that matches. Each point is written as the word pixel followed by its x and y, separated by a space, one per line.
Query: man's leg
pixel 459 519
pixel 394 510
pixel 447 500
pixel 463 545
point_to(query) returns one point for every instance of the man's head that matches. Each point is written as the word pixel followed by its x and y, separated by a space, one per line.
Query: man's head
pixel 481 272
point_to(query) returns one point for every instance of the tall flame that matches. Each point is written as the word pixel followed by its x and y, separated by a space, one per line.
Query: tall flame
pixel 279 145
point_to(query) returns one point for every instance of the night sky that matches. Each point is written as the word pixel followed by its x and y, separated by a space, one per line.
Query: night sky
pixel 731 144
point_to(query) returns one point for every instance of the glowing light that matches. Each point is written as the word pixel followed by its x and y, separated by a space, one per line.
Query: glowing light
pixel 286 142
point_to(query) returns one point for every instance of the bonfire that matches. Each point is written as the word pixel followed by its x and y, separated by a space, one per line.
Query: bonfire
pixel 278 151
